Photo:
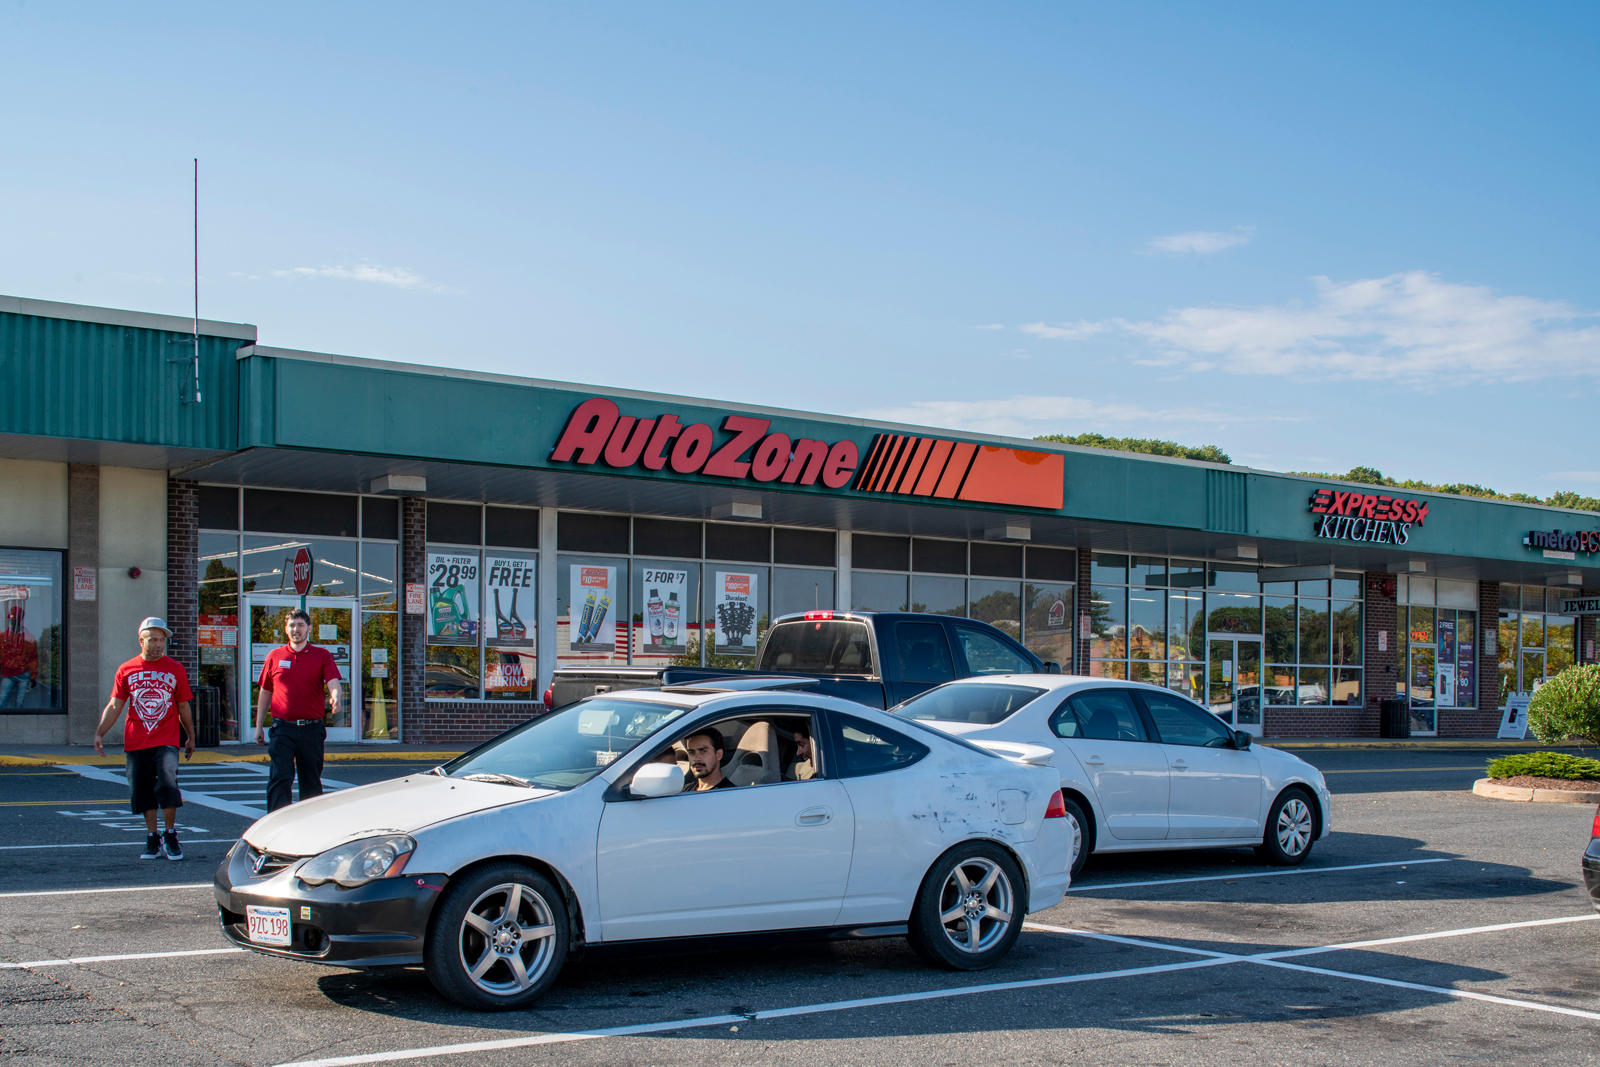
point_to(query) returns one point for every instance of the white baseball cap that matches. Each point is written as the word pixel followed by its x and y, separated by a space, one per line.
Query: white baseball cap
pixel 153 623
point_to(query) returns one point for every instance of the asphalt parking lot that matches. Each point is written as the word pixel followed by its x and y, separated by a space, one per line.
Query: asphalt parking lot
pixel 1432 925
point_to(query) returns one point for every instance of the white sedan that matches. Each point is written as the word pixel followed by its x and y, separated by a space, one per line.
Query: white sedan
pixel 1141 767
pixel 575 830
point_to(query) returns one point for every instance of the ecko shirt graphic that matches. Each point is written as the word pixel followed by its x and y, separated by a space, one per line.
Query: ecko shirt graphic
pixel 153 692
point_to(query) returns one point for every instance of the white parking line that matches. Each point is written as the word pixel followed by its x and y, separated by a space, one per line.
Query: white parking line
pixel 79 960
pixel 193 835
pixel 1254 874
pixel 110 889
pixel 1208 958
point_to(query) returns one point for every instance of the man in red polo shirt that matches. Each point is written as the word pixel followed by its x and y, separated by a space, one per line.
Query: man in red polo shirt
pixel 154 688
pixel 292 682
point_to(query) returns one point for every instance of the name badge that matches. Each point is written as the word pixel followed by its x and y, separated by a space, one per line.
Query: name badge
pixel 285 664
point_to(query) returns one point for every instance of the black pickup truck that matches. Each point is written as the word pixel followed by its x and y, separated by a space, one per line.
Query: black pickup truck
pixel 872 657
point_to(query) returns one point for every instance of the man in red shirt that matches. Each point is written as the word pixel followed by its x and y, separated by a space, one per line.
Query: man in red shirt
pixel 291 682
pixel 156 687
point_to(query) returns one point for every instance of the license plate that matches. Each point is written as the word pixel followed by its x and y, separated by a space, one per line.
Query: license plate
pixel 267 926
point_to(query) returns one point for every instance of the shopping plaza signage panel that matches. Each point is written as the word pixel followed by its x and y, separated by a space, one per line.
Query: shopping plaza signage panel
pixel 1353 515
pixel 1580 605
pixel 1559 544
pixel 748 449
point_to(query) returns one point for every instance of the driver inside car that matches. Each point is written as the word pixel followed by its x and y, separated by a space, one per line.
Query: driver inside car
pixel 705 748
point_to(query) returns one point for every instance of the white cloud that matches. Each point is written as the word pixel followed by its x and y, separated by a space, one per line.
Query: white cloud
pixel 1028 416
pixel 1410 327
pixel 1203 242
pixel 1065 331
pixel 399 277
pixel 991 326
pixel 1572 476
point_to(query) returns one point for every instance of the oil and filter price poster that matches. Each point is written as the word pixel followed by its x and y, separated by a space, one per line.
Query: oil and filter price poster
pixel 736 613
pixel 591 609
pixel 453 598
pixel 665 596
pixel 508 583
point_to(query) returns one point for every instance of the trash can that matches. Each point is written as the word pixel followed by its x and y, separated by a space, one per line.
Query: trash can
pixel 207 716
pixel 1394 718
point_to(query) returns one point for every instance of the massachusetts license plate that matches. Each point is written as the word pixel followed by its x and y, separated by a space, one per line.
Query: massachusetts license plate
pixel 267 926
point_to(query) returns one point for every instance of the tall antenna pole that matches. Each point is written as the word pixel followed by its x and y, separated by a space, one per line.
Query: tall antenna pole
pixel 197 280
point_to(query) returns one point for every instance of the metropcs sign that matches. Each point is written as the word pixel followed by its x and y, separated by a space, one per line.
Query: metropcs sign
pixel 746 448
pixel 1356 516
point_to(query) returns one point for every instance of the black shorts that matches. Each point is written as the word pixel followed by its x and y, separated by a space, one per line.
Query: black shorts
pixel 153 775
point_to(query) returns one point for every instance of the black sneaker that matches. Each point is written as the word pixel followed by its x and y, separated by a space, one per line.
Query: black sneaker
pixel 169 845
pixel 152 848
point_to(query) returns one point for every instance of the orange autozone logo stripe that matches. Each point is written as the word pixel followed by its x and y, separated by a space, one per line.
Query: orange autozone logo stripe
pixel 939 469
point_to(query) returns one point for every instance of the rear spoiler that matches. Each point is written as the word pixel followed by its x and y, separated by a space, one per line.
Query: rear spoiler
pixel 1017 751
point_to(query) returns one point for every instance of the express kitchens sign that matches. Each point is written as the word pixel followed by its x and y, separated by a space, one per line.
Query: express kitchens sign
pixel 746 449
pixel 1356 516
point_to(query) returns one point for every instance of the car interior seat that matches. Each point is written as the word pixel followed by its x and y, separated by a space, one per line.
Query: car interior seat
pixel 755 757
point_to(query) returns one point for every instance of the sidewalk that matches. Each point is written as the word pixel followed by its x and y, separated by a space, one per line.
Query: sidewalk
pixel 52 755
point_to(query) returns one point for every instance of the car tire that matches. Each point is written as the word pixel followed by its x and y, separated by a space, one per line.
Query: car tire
pixel 1082 834
pixel 969 908
pixel 499 938
pixel 1291 829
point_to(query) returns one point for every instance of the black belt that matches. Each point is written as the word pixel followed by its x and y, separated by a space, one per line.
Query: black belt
pixel 298 722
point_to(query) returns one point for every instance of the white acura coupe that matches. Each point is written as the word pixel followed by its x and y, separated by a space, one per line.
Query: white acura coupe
pixel 575 830
pixel 1141 767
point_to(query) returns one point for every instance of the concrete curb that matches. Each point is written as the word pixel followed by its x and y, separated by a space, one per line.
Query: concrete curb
pixel 1488 787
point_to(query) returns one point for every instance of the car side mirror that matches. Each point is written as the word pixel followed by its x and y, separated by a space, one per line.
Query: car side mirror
pixel 657 780
pixel 1052 667
pixel 1241 740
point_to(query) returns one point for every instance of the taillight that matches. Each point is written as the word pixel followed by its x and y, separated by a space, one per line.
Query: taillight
pixel 1594 831
pixel 819 615
pixel 1058 808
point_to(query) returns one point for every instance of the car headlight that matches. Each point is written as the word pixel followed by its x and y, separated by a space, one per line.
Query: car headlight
pixel 359 862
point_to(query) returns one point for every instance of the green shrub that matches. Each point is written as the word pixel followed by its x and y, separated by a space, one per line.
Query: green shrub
pixel 1567 705
pixel 1545 765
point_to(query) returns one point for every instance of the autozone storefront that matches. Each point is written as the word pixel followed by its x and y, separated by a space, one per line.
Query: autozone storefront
pixel 468 533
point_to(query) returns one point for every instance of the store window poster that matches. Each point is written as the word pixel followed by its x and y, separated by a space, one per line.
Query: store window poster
pixel 509 586
pixel 592 618
pixel 735 612
pixel 664 592
pixel 453 598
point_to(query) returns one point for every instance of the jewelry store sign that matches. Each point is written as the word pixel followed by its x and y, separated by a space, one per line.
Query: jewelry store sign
pixel 1580 605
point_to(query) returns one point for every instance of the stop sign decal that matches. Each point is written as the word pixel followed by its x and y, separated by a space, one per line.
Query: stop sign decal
pixel 302 571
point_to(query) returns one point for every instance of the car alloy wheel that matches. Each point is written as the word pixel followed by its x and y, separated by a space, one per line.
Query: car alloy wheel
pixel 500 938
pixel 969 909
pixel 1290 826
pixel 1082 844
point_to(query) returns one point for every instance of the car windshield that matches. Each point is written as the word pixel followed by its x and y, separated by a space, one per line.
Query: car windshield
pixel 567 747
pixel 980 702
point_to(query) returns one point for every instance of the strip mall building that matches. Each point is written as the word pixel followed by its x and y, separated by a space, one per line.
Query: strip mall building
pixel 468 533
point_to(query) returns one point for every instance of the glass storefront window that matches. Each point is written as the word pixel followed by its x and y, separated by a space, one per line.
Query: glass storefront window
pixel 379 566
pixel 1186 624
pixel 1314 628
pixel 1147 625
pixel 938 595
pixel 735 612
pixel 1048 625
pixel 998 603
pixel 1561 638
pixel 32 613
pixel 380 676
pixel 217 633
pixel 593 613
pixel 1108 622
pixel 876 591
pixel 796 589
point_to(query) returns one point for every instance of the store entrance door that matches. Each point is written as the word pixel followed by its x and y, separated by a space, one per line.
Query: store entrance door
pixel 1234 673
pixel 332 626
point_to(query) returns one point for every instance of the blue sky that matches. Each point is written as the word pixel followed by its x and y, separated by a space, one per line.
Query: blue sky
pixel 1314 236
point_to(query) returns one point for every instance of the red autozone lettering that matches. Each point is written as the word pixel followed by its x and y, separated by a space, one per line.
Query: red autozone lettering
pixel 598 432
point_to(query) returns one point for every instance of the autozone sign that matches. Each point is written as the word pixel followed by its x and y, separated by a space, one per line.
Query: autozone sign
pixel 1356 516
pixel 746 448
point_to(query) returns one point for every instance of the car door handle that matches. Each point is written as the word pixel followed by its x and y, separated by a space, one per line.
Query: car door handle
pixel 814 817
pixel 1179 765
pixel 1095 761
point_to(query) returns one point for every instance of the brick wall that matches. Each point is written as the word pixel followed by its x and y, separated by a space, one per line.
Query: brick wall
pixel 413 570
pixel 183 578
pixel 1080 644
